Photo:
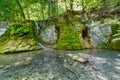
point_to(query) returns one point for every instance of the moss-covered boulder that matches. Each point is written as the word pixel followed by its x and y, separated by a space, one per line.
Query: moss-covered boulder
pixel 70 33
pixel 19 37
pixel 19 44
pixel 69 39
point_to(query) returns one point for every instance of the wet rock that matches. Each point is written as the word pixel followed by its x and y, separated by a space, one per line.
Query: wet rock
pixel 117 61
pixel 49 35
pixel 117 67
pixel 47 32
pixel 18 63
pixel 99 34
pixel 78 58
pixel 19 44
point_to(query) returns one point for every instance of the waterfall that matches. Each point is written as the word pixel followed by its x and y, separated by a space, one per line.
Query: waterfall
pixel 40 44
pixel 3 26
pixel 2 31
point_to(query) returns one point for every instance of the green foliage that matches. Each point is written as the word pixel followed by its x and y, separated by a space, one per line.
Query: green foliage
pixel 69 39
pixel 115 37
pixel 43 9
pixel 114 45
pixel 18 29
pixel 116 29
pixel 2 40
pixel 103 45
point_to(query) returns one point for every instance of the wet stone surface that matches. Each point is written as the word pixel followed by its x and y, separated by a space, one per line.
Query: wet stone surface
pixel 57 65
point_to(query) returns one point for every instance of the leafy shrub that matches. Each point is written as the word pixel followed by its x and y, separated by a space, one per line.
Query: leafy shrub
pixel 18 29
pixel 103 45
pixel 115 37
pixel 116 30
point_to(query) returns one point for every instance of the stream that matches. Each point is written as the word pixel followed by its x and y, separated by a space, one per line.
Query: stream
pixel 57 65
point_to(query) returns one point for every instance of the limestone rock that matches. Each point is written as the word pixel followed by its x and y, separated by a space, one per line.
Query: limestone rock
pixel 99 34
pixel 48 35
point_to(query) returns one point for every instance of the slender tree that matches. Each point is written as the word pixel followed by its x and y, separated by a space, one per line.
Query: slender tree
pixel 21 9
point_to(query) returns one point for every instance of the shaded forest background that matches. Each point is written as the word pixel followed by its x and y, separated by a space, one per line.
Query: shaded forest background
pixel 20 10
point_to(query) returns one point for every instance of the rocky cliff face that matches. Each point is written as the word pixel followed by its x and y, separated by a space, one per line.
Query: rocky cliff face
pixel 65 35
pixel 99 34
pixel 18 40
pixel 46 32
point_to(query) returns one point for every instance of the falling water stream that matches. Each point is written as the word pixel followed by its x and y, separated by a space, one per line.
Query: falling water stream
pixel 37 36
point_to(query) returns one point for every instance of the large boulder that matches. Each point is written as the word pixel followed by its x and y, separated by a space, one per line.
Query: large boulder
pixel 99 34
pixel 19 37
pixel 70 37
pixel 49 35
pixel 19 44
pixel 46 32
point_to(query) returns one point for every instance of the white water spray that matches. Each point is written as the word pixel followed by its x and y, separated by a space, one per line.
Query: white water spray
pixel 40 44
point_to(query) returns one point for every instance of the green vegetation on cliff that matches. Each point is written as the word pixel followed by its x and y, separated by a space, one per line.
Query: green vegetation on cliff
pixel 19 37
pixel 69 39
pixel 115 37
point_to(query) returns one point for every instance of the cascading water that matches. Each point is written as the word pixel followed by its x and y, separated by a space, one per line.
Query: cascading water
pixel 2 31
pixel 3 27
pixel 37 38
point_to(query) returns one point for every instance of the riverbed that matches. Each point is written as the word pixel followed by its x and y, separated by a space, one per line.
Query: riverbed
pixel 57 65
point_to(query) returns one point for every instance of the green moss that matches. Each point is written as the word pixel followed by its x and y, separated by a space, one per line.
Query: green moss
pixel 17 44
pixel 15 39
pixel 103 45
pixel 115 28
pixel 69 39
pixel 114 44
pixel 18 29
pixel 70 31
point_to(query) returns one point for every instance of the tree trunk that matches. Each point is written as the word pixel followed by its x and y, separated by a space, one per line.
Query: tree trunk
pixel 83 6
pixel 21 9
pixel 71 4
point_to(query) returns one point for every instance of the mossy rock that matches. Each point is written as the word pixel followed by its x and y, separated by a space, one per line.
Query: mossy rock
pixel 114 44
pixel 70 36
pixel 20 40
pixel 18 44
pixel 69 39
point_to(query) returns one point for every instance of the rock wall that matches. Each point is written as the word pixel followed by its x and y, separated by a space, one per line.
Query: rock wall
pixel 99 34
pixel 74 35
pixel 17 42
pixel 47 32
